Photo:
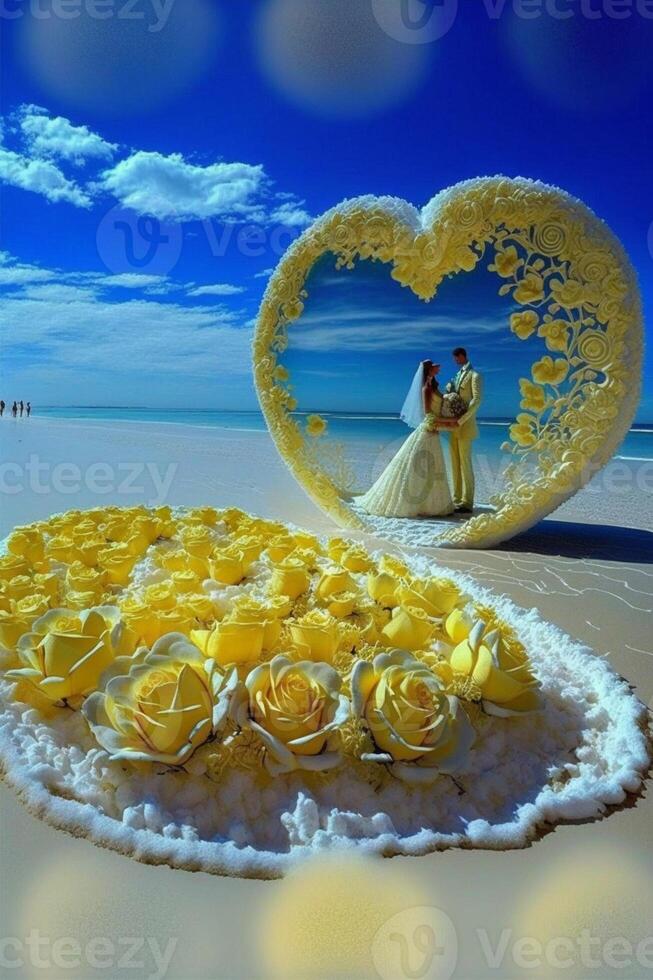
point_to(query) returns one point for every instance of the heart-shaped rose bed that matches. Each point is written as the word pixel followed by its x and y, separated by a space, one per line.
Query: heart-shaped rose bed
pixel 575 291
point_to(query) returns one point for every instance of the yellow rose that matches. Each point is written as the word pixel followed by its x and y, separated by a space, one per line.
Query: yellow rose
pixel 280 547
pixel 383 588
pixel 316 635
pixel 228 566
pixel 27 543
pixel 548 371
pixel 269 613
pixel 160 705
pixel 290 578
pixel 80 578
pixel 459 624
pixel 12 566
pixel 141 620
pixel 49 584
pixel 137 544
pixel 19 586
pixel 118 564
pixel 203 515
pixel 307 542
pixel 185 581
pixel 201 607
pixel 231 642
pixel 250 545
pixel 66 651
pixel 161 595
pixel 177 620
pixel 281 373
pixel 59 548
pixel 410 628
pixel 506 682
pixel 417 729
pixel 17 621
pixel 435 596
pixel 333 581
pixel 84 600
pixel 198 540
pixel 336 548
pixel 343 604
pixel 356 559
pixel 296 710
pixel 523 324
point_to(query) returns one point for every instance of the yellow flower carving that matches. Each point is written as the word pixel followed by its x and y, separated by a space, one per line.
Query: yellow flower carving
pixel 524 324
pixel 533 396
pixel 568 293
pixel 315 426
pixel 595 348
pixel 506 262
pixel 555 333
pixel 523 430
pixel 546 371
pixel 530 289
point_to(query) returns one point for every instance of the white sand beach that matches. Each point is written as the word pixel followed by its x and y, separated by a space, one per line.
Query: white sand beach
pixel 589 569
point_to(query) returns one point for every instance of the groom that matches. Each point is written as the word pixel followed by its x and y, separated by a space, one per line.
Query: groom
pixel 468 384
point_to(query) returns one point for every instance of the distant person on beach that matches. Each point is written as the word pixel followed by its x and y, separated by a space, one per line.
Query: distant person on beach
pixel 14 410
pixel 2 407
pixel 29 409
pixel 22 408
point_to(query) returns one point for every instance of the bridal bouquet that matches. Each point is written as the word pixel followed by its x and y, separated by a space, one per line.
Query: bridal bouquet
pixel 453 406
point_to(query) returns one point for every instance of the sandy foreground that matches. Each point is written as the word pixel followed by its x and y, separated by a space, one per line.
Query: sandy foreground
pixel 575 904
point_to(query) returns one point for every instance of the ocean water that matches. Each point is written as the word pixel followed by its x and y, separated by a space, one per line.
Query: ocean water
pixel 377 429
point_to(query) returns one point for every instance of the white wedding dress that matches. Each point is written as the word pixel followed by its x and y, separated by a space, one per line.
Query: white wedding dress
pixel 414 483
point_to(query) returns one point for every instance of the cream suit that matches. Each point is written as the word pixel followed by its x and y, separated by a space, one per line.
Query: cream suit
pixel 469 385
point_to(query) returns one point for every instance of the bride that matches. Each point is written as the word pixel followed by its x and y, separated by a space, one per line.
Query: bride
pixel 414 484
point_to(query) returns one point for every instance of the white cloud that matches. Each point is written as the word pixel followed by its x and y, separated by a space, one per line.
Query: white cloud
pixel 74 333
pixel 169 187
pixel 263 274
pixel 133 280
pixel 21 274
pixel 41 177
pixel 362 331
pixel 217 289
pixel 55 136
pixel 291 214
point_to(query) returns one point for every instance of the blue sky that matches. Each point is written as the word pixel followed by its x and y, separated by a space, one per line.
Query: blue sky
pixel 156 162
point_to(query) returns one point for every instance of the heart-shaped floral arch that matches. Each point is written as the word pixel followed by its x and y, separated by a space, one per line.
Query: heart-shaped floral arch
pixel 578 293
